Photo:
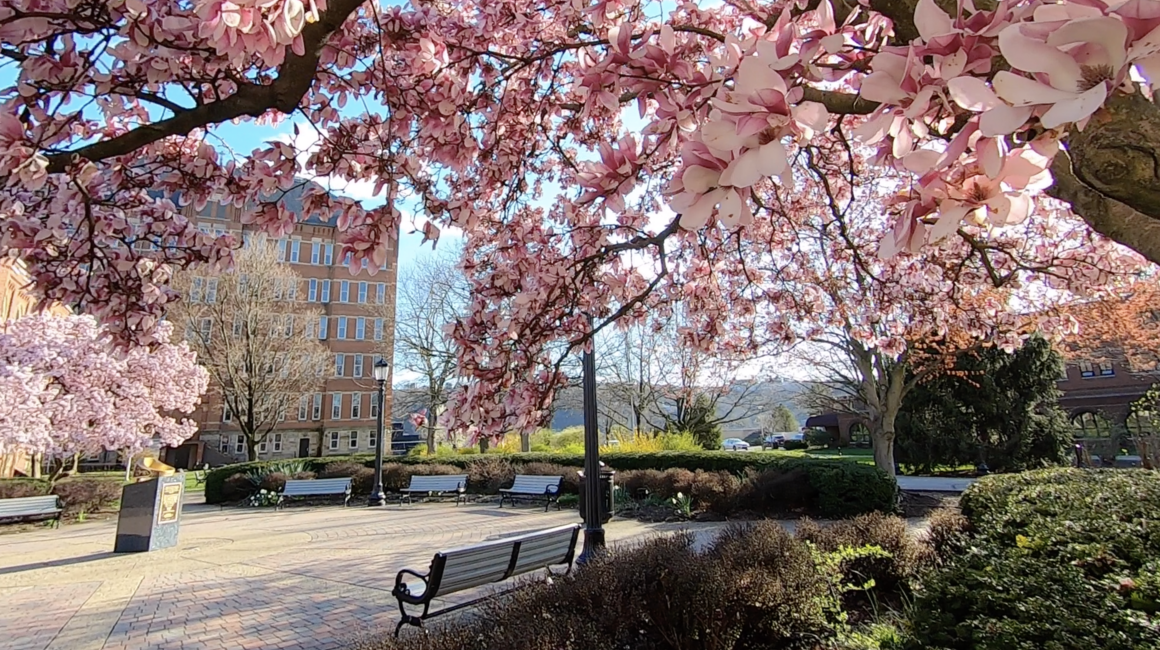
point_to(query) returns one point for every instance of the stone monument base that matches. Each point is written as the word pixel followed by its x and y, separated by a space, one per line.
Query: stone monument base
pixel 150 515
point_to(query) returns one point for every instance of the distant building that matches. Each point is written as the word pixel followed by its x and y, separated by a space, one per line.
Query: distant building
pixel 340 419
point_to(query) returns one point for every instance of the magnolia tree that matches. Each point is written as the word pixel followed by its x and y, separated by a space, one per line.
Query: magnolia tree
pixel 66 389
pixel 511 123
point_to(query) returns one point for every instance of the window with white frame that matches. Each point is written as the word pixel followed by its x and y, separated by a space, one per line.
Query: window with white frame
pixel 295 250
pixel 262 447
pixel 303 407
pixel 353 440
pixel 356 406
pixel 314 246
pixel 329 255
pixel 211 287
pixel 277 442
pixel 360 328
pixel 316 408
pixel 282 411
pixel 238 326
pixel 312 291
pixel 325 291
pixel 356 370
pixel 322 323
pixel 281 250
pixel 292 289
pixel 339 365
pixel 224 443
pixel 336 406
pixel 362 293
pixel 374 405
pixel 378 329
pixel 1086 370
pixel 239 444
pixel 1106 369
pixel 275 325
pixel 340 331
pixel 311 329
pixel 372 440
pixel 288 326
pixel 205 327
pixel 381 293
pixel 344 291
pixel 346 259
pixel 277 289
pixel 195 290
pixel 333 440
pixel 227 415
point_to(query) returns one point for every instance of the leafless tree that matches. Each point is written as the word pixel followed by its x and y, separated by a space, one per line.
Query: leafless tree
pixel 258 344
pixel 432 293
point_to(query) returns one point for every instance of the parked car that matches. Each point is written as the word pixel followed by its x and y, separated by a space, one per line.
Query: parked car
pixel 735 444
pixel 773 441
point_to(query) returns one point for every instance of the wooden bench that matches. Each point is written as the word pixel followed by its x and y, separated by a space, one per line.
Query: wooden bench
pixel 475 566
pixel 437 485
pixel 533 487
pixel 30 508
pixel 298 488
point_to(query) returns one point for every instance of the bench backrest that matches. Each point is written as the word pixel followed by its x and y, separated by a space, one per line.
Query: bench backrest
pixel 489 562
pixel 302 487
pixel 441 483
pixel 28 506
pixel 529 484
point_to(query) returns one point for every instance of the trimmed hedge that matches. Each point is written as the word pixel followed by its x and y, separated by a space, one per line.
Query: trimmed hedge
pixel 839 488
pixel 1060 558
pixel 77 494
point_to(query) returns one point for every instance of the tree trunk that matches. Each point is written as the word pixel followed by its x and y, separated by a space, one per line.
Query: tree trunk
pixel 483 444
pixel 525 442
pixel 251 448
pixel 884 451
pixel 432 421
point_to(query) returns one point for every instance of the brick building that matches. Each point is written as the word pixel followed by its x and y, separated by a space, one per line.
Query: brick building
pixel 357 328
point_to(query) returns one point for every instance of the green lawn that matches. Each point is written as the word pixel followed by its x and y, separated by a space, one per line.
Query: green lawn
pixel 190 480
pixel 865 456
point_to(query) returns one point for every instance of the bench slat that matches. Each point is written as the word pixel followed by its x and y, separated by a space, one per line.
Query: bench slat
pixel 301 487
pixel 476 567
pixel 528 484
pixel 29 506
pixel 442 483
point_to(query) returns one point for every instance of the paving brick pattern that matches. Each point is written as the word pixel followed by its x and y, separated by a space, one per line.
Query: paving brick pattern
pixel 308 578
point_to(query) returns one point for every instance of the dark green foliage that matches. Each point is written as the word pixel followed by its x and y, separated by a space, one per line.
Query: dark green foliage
pixel 754 588
pixel 18 488
pixel 842 487
pixel 698 418
pixel 362 478
pixel 1059 558
pixel 888 576
pixel 994 407
pixel 795 445
pixel 782 419
pixel 819 438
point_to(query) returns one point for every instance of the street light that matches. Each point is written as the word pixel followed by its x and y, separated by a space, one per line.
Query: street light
pixel 593 526
pixel 377 498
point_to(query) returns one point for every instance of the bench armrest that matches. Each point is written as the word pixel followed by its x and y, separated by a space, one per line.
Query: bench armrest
pixel 401 586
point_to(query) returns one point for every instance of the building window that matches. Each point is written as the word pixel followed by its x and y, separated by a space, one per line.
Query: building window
pixel 288 326
pixel 292 289
pixel 277 442
pixel 340 331
pixel 303 407
pixel 227 415
pixel 378 329
pixel 195 290
pixel 326 291
pixel 859 436
pixel 1086 370
pixel 372 440
pixel 1106 369
pixel 281 250
pixel 314 253
pixel 312 291
pixel 334 440
pixel 316 409
pixel 356 406
pixel 282 410
pixel 344 291
pixel 339 365
pixel 354 440
pixel 322 322
pixel 1143 423
pixel 1091 425
pixel 205 328
pixel 336 406
pixel 237 326
pixel 362 293
pixel 346 259
pixel 211 287
pixel 224 444
pixel 295 250
pixel 262 447
pixel 239 444
pixel 357 369
pixel 360 328
pixel 381 293
pixel 374 405
pixel 329 255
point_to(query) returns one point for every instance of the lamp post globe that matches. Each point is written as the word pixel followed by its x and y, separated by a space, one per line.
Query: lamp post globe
pixel 382 371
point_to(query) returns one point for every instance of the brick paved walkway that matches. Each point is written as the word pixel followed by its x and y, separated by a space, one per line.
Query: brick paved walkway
pixel 308 578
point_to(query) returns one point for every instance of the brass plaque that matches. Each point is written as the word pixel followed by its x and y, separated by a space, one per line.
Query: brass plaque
pixel 170 502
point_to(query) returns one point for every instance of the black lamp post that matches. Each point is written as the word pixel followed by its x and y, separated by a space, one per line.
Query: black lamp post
pixel 593 524
pixel 377 498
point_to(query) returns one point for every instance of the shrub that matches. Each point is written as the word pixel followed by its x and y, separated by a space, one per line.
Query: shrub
pixel 87 495
pixel 273 482
pixel 489 474
pixel 571 480
pixel 341 469
pixel 1052 560
pixel 715 491
pixel 773 491
pixel 795 445
pixel 18 488
pixel 754 588
pixel 842 487
pixel 235 488
pixel 819 438
pixel 945 536
pixel 891 573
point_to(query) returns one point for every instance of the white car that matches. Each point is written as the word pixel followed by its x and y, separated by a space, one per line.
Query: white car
pixel 735 444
